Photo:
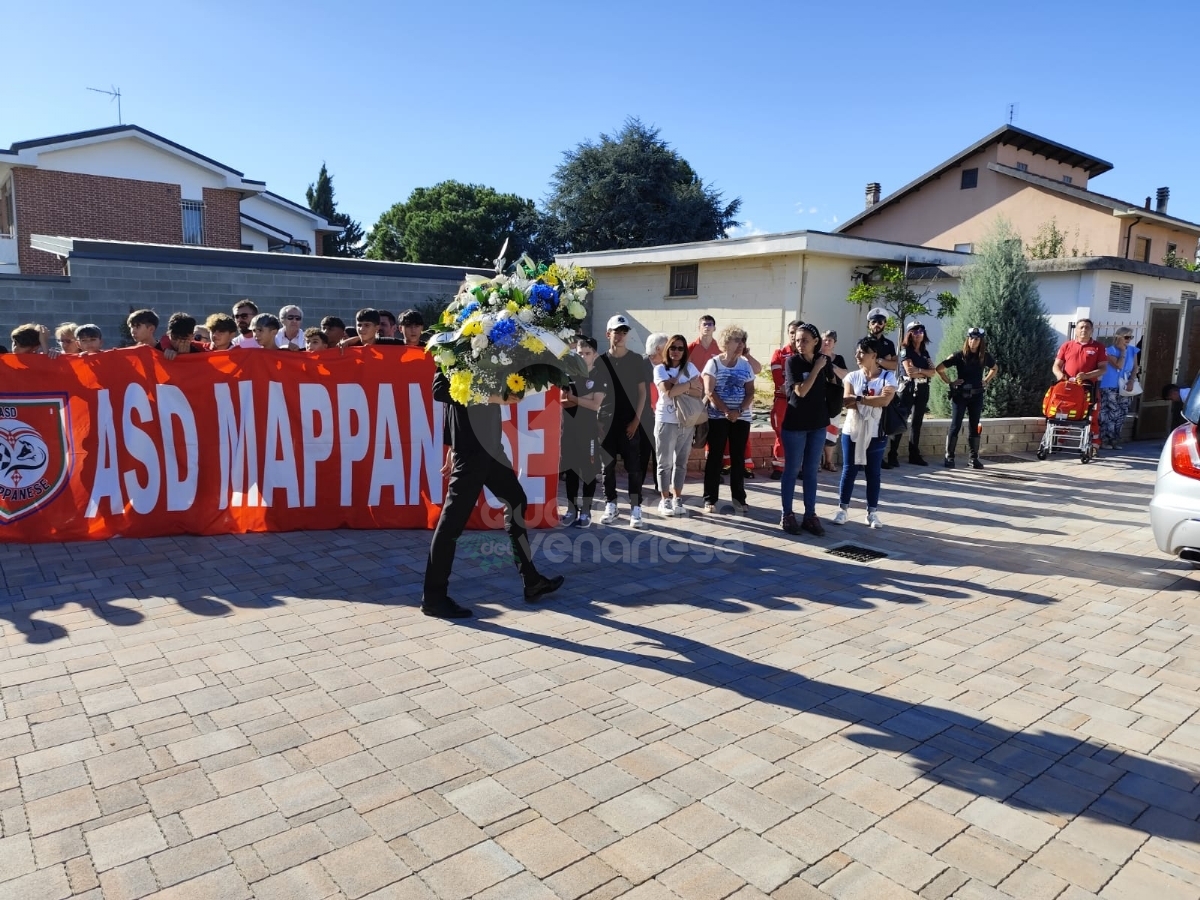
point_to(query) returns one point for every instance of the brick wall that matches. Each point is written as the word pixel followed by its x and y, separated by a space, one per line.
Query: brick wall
pixel 94 206
pixel 222 219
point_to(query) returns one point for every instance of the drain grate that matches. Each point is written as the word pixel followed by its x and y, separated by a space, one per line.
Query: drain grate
pixel 1005 459
pixel 856 553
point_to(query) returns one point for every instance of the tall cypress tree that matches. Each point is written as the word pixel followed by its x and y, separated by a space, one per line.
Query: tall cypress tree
pixel 998 294
pixel 349 241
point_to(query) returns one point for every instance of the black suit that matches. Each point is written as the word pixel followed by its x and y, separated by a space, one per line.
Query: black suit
pixel 479 461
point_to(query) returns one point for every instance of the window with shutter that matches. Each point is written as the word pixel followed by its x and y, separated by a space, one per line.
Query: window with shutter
pixel 684 280
pixel 1141 249
pixel 1120 297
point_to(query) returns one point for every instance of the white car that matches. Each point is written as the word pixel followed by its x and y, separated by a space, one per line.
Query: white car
pixel 1175 507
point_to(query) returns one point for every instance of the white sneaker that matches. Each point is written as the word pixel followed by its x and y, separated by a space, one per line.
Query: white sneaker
pixel 680 509
pixel 665 508
pixel 839 517
pixel 873 519
pixel 635 517
pixel 569 517
pixel 610 514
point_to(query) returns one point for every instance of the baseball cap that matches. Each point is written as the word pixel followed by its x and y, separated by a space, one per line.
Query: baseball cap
pixel 617 322
pixel 877 313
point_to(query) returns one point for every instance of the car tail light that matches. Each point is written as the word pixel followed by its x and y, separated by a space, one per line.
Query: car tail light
pixel 1185 455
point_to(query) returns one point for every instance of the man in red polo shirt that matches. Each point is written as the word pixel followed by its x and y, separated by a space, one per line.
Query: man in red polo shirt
pixel 780 403
pixel 1081 360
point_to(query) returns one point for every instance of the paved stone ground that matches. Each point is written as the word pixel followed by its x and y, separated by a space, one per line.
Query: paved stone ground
pixel 1007 707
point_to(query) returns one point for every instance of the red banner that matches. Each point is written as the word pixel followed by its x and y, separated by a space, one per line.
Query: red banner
pixel 128 443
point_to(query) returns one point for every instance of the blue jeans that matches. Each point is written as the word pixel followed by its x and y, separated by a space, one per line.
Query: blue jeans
pixel 875 451
pixel 802 452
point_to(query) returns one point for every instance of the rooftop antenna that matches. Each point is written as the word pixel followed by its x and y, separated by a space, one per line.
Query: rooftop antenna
pixel 115 94
pixel 1013 109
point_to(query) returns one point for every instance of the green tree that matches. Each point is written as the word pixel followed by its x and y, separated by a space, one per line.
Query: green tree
pixel 347 242
pixel 456 224
pixel 633 190
pixel 998 294
pixel 890 288
pixel 1050 242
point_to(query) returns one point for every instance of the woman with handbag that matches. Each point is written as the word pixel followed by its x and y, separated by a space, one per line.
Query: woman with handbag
pixel 916 368
pixel 676 413
pixel 807 376
pixel 866 393
pixel 974 367
pixel 1116 387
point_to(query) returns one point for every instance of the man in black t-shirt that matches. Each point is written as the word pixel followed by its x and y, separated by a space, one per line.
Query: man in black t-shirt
pixel 876 322
pixel 630 387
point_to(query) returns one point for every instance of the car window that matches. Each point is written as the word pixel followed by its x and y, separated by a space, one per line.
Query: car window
pixel 1191 409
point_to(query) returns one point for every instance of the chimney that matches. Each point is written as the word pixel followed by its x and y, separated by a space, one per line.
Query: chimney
pixel 1163 195
pixel 873 192
pixel 1147 203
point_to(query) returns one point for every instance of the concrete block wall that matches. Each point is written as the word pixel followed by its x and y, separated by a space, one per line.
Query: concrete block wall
pixel 102 291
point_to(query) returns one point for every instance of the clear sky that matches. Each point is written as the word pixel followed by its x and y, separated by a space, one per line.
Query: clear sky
pixel 792 106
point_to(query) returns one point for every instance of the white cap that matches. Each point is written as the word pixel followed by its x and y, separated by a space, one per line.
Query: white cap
pixel 617 322
pixel 877 313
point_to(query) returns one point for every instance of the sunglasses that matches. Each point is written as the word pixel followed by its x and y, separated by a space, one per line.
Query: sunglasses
pixel 917 330
pixel 676 349
pixel 294 318
pixel 708 324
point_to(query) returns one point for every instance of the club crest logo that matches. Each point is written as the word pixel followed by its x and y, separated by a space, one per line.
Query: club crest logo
pixel 35 452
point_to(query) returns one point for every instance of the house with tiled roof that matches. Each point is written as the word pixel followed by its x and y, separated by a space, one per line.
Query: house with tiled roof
pixel 1029 180
pixel 125 183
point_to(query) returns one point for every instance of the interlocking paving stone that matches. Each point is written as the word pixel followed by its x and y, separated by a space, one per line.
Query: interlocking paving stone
pixel 1006 708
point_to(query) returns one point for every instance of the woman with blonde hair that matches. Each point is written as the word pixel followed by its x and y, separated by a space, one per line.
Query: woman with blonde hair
pixel 729 387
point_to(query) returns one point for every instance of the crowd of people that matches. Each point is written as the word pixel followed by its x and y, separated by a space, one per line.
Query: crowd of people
pixel 649 411
pixel 243 327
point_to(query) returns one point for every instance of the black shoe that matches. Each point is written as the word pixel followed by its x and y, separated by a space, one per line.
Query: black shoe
pixel 975 463
pixel 893 460
pixel 949 463
pixel 543 586
pixel 749 473
pixel 916 459
pixel 446 609
pixel 776 474
pixel 887 464
pixel 789 524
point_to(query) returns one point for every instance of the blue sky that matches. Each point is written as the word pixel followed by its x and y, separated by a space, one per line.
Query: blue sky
pixel 792 106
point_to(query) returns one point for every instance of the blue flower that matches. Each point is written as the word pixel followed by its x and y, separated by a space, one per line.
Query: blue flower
pixel 544 296
pixel 504 333
pixel 465 312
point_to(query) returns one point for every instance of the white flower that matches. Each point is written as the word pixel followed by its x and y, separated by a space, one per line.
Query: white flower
pixel 494 299
pixel 525 315
pixel 575 310
pixel 486 324
pixel 495 359
pixel 479 343
pixel 446 358
pixel 503 314
pixel 566 334
pixel 505 359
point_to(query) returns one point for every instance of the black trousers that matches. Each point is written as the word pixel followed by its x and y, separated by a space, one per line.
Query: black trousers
pixel 470 475
pixel 920 405
pixel 630 450
pixel 974 409
pixel 735 435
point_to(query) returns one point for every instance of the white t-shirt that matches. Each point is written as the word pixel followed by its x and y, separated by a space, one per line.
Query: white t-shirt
pixel 861 386
pixel 731 386
pixel 248 341
pixel 282 341
pixel 664 410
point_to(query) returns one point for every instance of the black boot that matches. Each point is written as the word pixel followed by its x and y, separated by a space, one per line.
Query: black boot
pixel 973 442
pixel 949 463
pixel 914 456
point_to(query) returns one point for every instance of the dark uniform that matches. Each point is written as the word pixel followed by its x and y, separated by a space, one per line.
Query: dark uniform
pixel 473 433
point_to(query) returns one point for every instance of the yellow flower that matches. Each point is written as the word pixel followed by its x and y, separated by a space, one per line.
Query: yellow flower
pixel 515 383
pixel 473 326
pixel 512 306
pixel 460 387
pixel 532 344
